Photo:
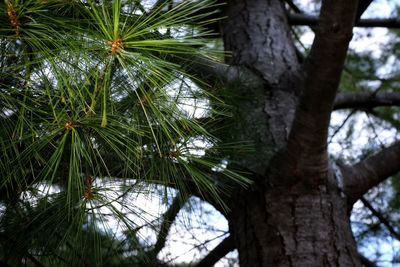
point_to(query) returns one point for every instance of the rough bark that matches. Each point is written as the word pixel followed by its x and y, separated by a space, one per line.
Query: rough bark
pixel 251 32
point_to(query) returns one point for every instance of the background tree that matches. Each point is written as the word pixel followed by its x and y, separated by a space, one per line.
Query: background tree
pixel 93 113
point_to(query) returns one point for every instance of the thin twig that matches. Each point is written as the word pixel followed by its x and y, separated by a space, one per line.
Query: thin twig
pixel 381 218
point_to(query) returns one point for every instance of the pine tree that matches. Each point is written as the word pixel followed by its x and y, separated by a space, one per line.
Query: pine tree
pixel 105 101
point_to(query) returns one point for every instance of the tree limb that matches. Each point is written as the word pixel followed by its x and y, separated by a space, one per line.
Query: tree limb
pixel 117 170
pixel 168 218
pixel 366 262
pixel 299 18
pixel 34 260
pixel 293 6
pixel 296 19
pixel 361 177
pixel 362 6
pixel 223 248
pixel 381 218
pixel 365 100
pixel 307 143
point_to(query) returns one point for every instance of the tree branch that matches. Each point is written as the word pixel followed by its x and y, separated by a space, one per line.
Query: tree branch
pixel 366 262
pixel 223 248
pixel 296 19
pixel 381 218
pixel 307 143
pixel 362 6
pixel 365 100
pixel 299 18
pixel 361 177
pixel 168 218
pixel 34 260
pixel 293 6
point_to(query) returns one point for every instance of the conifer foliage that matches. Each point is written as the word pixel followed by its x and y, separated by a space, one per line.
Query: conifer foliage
pixel 94 108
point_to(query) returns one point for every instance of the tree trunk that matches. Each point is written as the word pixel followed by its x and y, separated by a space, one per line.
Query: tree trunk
pixel 296 226
pixel 289 218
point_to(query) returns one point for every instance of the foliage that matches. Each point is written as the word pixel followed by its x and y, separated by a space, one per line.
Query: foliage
pixel 91 114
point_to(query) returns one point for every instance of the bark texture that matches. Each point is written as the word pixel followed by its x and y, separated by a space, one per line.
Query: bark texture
pixel 257 36
pixel 297 227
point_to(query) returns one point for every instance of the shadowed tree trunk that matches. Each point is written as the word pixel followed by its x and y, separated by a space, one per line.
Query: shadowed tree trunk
pixel 293 227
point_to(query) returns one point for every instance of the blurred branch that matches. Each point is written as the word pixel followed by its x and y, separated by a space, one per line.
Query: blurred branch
pixel 297 19
pixel 341 125
pixel 223 248
pixel 362 7
pixel 381 218
pixel 297 10
pixel 366 262
pixel 293 6
pixel 34 260
pixel 365 100
pixel 158 5
pixel 369 172
pixel 168 218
